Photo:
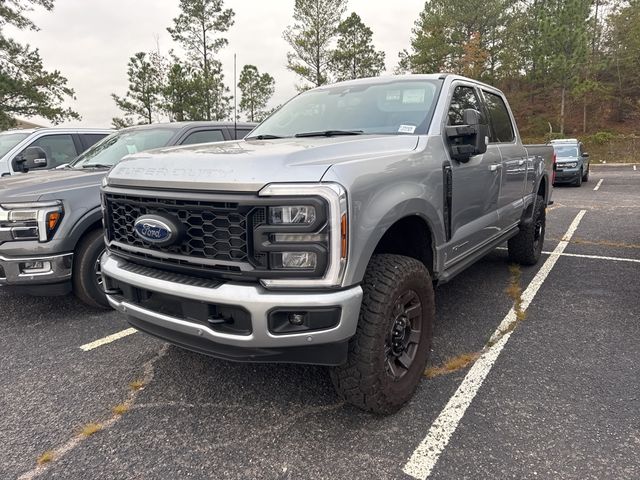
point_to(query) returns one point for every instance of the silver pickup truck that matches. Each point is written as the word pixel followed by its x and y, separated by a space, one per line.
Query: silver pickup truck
pixel 319 237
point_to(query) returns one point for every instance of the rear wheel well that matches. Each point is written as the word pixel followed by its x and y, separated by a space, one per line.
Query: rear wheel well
pixel 411 237
pixel 542 188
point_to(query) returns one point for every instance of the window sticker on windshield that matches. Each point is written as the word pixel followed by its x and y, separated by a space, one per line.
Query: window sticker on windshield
pixel 132 149
pixel 414 95
pixel 406 129
pixel 393 96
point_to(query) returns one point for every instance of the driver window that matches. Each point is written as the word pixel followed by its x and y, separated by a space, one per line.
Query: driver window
pixel 463 98
pixel 60 149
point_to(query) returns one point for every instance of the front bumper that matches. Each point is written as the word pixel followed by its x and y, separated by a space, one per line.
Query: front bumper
pixel 325 346
pixel 57 270
pixel 567 175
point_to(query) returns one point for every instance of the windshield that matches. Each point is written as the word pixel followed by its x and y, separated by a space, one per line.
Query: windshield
pixel 399 107
pixel 10 140
pixel 110 150
pixel 566 151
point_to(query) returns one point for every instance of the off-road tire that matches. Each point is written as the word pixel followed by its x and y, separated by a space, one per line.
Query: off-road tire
pixel 526 247
pixel 365 380
pixel 85 285
pixel 585 177
pixel 578 181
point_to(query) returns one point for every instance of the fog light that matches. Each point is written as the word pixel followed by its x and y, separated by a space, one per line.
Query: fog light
pixel 285 260
pixel 296 318
pixel 30 268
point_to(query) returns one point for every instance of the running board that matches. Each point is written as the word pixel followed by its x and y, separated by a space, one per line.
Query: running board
pixel 463 263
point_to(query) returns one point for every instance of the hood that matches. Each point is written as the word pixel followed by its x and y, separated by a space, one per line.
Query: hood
pixel 48 184
pixel 249 165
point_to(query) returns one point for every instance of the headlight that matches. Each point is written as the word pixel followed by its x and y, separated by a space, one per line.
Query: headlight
pixel 304 236
pixel 286 260
pixel 31 221
pixel 292 214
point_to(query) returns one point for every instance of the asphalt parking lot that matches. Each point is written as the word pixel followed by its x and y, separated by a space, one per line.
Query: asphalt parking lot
pixel 557 395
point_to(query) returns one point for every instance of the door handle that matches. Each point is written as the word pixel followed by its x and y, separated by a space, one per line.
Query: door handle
pixel 494 167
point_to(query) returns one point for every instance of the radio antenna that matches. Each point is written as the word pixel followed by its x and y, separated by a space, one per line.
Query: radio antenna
pixel 235 100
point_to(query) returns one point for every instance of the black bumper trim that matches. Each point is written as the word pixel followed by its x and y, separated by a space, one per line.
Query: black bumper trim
pixel 330 354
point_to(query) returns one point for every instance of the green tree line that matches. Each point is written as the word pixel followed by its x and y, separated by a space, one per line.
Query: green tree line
pixel 569 66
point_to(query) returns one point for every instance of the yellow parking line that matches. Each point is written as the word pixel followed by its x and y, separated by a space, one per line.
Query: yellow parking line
pixel 108 339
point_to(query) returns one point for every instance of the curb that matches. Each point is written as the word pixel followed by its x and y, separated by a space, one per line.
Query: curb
pixel 630 164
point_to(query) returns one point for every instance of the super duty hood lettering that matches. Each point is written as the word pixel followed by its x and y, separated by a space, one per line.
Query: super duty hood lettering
pixel 250 165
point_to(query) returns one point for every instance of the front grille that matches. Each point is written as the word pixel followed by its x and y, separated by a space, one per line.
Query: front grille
pixel 215 231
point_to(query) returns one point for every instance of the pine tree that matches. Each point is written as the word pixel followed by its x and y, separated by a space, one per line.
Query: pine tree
pixel 256 90
pixel 197 29
pixel 311 37
pixel 142 100
pixel 355 55
pixel 26 88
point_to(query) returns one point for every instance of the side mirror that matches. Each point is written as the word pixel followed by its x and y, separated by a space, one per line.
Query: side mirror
pixel 585 154
pixel 469 139
pixel 32 157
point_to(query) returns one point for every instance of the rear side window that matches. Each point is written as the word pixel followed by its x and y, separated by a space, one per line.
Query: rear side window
pixel 463 98
pixel 90 139
pixel 60 149
pixel 204 136
pixel 501 127
pixel 242 133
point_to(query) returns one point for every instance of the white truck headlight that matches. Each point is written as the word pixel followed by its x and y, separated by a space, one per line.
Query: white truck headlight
pixel 305 236
pixel 292 214
pixel 286 260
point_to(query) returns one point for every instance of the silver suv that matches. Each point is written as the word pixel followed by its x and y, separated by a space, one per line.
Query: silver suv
pixel 44 148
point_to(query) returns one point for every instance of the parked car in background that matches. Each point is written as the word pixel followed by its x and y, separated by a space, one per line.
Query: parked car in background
pixel 50 222
pixel 572 162
pixel 44 148
pixel 318 237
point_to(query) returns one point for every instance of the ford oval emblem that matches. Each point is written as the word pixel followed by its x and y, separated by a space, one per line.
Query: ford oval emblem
pixel 156 230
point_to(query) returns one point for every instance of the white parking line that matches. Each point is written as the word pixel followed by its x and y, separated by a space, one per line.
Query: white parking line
pixel 595 257
pixel 597 187
pixel 108 339
pixel 581 255
pixel 634 168
pixel 426 455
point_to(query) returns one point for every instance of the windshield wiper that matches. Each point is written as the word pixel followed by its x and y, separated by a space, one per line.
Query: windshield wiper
pixel 263 137
pixel 328 133
pixel 96 165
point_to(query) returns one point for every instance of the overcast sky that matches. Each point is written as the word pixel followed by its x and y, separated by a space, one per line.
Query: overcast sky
pixel 90 42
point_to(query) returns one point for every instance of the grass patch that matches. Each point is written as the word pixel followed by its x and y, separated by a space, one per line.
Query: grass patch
pixel 120 409
pixel 46 457
pixel 452 365
pixel 136 385
pixel 90 428
pixel 514 290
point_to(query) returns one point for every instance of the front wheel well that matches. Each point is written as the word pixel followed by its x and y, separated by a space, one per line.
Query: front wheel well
pixel 411 237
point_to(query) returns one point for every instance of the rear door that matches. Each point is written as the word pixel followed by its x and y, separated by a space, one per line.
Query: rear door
pixel 475 185
pixel 514 158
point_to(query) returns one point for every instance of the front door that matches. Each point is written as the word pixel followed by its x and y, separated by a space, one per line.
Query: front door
pixel 475 187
